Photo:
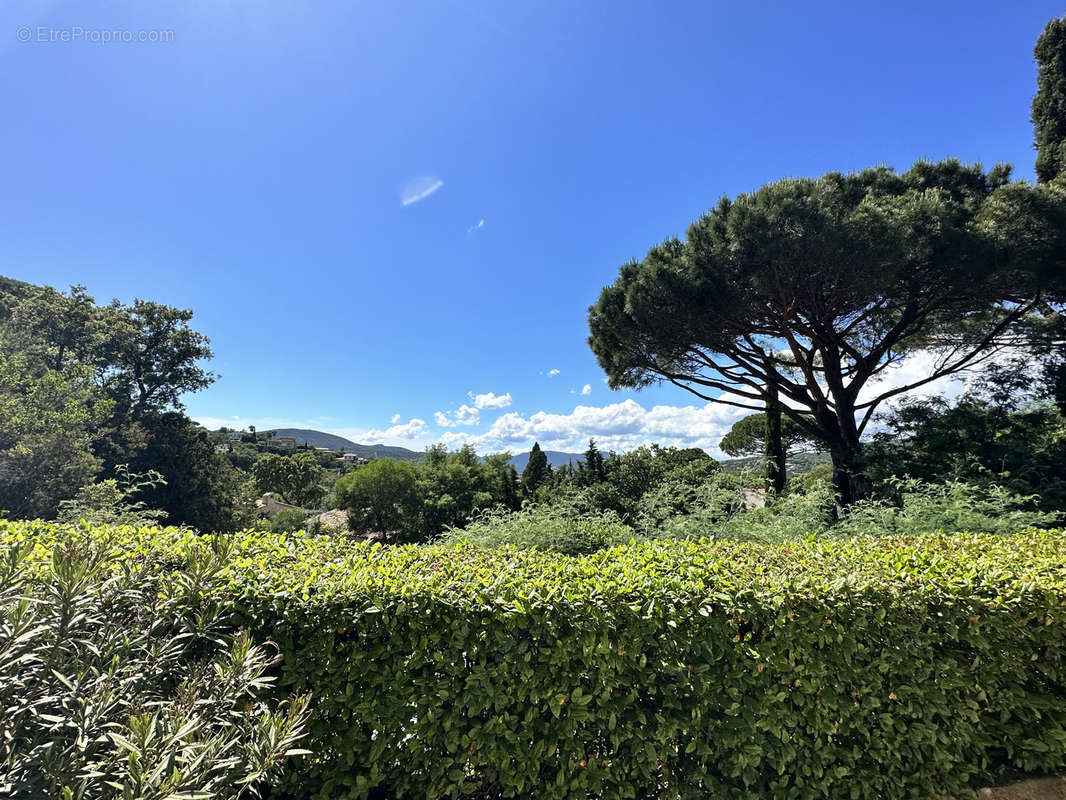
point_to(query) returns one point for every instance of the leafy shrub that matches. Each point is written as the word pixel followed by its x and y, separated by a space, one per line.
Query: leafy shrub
pixel 111 501
pixel 736 515
pixel 818 476
pixel 721 508
pixel 979 440
pixel 720 512
pixel 121 682
pixel 286 521
pixel 545 528
pixel 921 507
pixel 863 667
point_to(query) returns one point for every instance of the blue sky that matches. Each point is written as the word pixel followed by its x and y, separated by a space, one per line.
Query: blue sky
pixel 380 211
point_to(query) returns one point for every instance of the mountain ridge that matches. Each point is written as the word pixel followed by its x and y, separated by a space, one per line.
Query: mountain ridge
pixel 315 438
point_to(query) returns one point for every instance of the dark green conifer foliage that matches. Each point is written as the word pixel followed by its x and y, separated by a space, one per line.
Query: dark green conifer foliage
pixel 593 469
pixel 1049 104
pixel 537 470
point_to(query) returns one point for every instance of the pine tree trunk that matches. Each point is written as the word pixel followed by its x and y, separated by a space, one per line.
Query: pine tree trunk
pixel 775 447
pixel 849 480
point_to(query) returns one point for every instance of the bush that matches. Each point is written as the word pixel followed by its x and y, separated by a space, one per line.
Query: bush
pixel 286 521
pixel 119 682
pixel 111 501
pixel 921 507
pixel 864 667
pixel 734 515
pixel 544 528
pixel 725 512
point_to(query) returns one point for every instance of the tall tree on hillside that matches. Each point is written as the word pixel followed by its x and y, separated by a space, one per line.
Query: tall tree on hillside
pixel 1049 104
pixel 813 289
pixel 750 436
pixel 537 471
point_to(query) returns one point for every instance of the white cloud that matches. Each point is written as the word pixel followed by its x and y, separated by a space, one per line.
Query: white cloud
pixel 920 365
pixel 412 429
pixel 465 415
pixel 479 226
pixel 420 188
pixel 490 400
pixel 586 389
pixel 617 426
pixel 552 373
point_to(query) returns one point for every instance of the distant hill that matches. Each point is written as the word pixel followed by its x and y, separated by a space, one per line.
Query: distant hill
pixel 334 442
pixel 797 464
pixel 555 458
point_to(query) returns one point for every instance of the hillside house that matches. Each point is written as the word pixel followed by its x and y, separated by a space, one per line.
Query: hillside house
pixel 284 442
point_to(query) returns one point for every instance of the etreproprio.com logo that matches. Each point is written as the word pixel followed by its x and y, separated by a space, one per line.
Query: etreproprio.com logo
pixel 76 33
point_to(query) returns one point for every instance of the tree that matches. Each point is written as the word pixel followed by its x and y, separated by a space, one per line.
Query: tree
pixel 591 469
pixel 750 436
pixel 811 290
pixel 200 487
pixel 57 329
pixel 48 422
pixel 381 497
pixel 537 471
pixel 502 480
pixel 644 469
pixel 977 440
pixel 144 356
pixel 153 357
pixel 1049 104
pixel 774 447
pixel 96 388
pixel 299 478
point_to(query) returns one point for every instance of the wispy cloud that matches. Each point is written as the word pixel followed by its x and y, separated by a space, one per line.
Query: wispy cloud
pixel 395 418
pixel 552 373
pixel 420 189
pixel 480 224
pixel 490 400
pixel 586 389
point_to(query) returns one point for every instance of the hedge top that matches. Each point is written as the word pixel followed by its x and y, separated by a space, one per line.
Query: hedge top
pixel 320 569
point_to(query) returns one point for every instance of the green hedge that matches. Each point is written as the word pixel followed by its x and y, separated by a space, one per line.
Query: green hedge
pixel 875 667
